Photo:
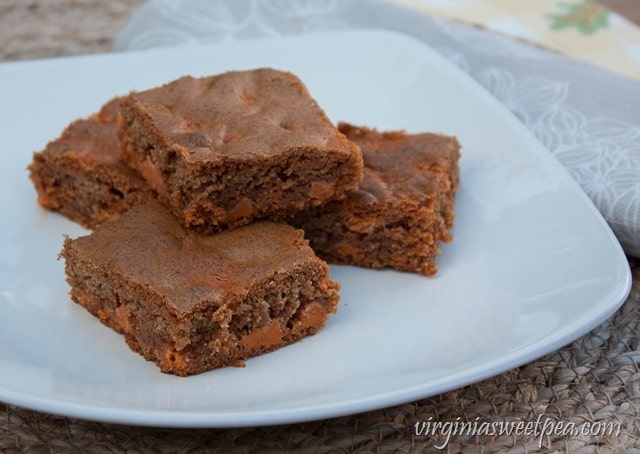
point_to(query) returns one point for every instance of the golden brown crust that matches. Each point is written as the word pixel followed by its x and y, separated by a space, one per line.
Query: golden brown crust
pixel 400 166
pixel 238 115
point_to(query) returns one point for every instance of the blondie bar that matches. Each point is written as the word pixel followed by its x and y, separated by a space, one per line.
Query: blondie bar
pixel 191 302
pixel 83 175
pixel 224 150
pixel 402 210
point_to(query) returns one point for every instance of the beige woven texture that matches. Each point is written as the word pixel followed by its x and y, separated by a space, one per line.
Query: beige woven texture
pixel 596 378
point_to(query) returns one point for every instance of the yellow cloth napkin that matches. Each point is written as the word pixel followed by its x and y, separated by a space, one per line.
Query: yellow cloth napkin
pixel 582 29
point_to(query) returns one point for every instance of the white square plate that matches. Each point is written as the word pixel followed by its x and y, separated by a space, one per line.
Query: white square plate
pixel 532 265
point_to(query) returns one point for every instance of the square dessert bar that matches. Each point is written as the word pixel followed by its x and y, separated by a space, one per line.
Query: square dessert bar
pixel 191 302
pixel 83 175
pixel 243 145
pixel 402 209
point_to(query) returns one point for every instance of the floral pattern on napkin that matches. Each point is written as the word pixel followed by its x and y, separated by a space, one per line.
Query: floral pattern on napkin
pixel 586 16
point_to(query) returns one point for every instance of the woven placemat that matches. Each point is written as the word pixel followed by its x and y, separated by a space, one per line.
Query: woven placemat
pixel 596 379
